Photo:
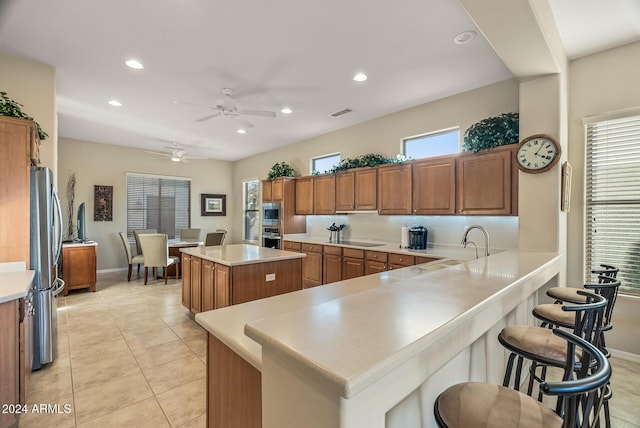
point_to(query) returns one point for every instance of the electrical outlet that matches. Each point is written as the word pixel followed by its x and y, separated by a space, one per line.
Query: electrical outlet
pixel 271 277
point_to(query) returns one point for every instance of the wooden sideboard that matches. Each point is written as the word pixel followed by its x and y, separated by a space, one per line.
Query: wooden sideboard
pixel 79 266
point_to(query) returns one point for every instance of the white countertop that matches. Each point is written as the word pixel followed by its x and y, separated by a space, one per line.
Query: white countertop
pixel 15 285
pixel 240 254
pixel 80 244
pixel 352 332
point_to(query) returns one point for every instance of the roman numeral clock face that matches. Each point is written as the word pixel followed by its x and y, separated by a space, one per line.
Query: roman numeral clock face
pixel 537 153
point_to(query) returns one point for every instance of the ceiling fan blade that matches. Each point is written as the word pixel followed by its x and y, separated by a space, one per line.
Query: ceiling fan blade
pixel 211 116
pixel 158 153
pixel 262 113
pixel 245 123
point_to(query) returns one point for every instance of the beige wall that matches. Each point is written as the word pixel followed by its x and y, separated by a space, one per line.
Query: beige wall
pixel 33 84
pixel 384 135
pixel 601 83
pixel 103 164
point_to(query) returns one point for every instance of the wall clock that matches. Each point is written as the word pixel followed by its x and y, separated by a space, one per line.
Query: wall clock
pixel 537 153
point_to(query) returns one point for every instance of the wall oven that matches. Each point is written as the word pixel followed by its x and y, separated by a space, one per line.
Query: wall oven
pixel 271 214
pixel 272 237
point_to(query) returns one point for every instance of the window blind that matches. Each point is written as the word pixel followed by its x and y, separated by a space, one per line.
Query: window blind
pixel 161 203
pixel 613 199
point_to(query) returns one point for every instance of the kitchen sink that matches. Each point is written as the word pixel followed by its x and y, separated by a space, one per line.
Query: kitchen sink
pixel 357 244
pixel 439 264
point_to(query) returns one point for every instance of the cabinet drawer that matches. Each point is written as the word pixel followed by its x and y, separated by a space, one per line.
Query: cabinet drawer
pixel 330 249
pixel 291 246
pixel 353 252
pixel 401 259
pixel 422 259
pixel 312 248
pixel 378 256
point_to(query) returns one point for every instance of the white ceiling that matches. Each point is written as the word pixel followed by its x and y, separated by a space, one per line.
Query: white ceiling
pixel 273 54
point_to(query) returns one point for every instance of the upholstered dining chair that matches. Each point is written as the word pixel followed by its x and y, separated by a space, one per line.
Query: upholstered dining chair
pixel 214 238
pixel 131 259
pixel 223 236
pixel 140 232
pixel 156 254
pixel 189 234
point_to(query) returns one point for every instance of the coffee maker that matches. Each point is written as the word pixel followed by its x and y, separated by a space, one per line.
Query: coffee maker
pixel 417 237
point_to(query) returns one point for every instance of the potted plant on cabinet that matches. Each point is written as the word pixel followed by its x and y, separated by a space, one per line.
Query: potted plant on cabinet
pixel 12 108
pixel 492 132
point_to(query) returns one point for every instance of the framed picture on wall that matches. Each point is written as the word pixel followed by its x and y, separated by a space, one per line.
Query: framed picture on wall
pixel 211 204
pixel 565 194
pixel 103 203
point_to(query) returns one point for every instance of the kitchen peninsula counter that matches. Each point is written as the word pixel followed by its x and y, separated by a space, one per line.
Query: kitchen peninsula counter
pixel 375 351
pixel 240 254
pixel 15 285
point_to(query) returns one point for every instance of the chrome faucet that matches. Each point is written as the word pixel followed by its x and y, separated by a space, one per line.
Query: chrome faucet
pixel 486 238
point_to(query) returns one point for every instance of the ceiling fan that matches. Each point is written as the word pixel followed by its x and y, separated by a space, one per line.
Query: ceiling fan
pixel 227 107
pixel 178 154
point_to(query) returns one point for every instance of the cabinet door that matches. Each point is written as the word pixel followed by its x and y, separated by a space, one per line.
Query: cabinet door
pixel 312 268
pixel 394 189
pixel 9 351
pixel 304 195
pixel 267 190
pixel 366 189
pixel 352 267
pixel 196 284
pixel 324 194
pixel 223 286
pixel 291 246
pixel 484 183
pixel 208 286
pixel 332 271
pixel 345 191
pixel 434 185
pixel 186 280
pixel 277 190
pixel 371 267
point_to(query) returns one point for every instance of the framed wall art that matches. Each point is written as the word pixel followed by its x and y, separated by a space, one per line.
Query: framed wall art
pixel 103 203
pixel 211 204
pixel 565 194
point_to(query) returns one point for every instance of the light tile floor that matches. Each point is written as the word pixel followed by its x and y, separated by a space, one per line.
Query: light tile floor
pixel 132 355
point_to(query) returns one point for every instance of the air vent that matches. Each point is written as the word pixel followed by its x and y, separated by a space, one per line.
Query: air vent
pixel 341 112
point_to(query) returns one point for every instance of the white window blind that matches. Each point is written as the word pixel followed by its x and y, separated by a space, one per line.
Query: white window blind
pixel 161 203
pixel 613 199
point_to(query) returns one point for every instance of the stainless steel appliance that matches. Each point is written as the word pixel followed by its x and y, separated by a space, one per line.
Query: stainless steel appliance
pixel 271 214
pixel 418 237
pixel 272 237
pixel 45 248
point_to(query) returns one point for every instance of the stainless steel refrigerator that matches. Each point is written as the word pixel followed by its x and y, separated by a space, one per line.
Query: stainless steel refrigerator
pixel 46 244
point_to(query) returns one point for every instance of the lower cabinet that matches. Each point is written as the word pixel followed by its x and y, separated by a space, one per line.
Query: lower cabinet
pixel 208 285
pixel 78 267
pixel 375 262
pixel 397 261
pixel 196 288
pixel 352 263
pixel 332 264
pixel 186 280
pixel 312 265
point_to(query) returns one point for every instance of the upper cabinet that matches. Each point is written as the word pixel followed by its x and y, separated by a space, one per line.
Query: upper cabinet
pixel 267 187
pixel 434 186
pixel 304 195
pixel 273 191
pixel 394 189
pixel 487 183
pixel 357 190
pixel 324 194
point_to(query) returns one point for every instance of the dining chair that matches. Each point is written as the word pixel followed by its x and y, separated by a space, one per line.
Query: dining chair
pixel 189 234
pixel 224 236
pixel 214 238
pixel 156 254
pixel 140 232
pixel 131 259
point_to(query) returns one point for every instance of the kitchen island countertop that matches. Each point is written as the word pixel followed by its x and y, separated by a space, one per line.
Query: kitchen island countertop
pixel 241 254
pixel 15 285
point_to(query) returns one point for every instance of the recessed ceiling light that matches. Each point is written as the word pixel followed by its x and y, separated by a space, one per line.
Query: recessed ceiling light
pixel 360 77
pixel 241 131
pixel 286 110
pixel 135 64
pixel 115 103
pixel 464 37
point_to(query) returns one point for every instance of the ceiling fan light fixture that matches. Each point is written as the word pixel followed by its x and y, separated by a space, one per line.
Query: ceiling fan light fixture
pixel 115 103
pixel 241 131
pixel 360 77
pixel 134 63
pixel 286 110
pixel 175 158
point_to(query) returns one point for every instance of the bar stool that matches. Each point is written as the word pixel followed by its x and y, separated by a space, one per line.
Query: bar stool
pixel 475 405
pixel 570 295
pixel 542 348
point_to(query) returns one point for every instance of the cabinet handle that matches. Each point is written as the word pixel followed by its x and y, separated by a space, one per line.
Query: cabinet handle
pixel 415 211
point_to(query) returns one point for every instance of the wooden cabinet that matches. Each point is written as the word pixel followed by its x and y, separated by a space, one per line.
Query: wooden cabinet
pixel 208 286
pixel 487 183
pixel 273 191
pixel 283 190
pixel 352 263
pixel 375 262
pixel 311 265
pixel 397 261
pixel 267 190
pixel 394 189
pixel 422 259
pixel 331 264
pixel 304 195
pixel 79 266
pixel 186 280
pixel 196 284
pixel 357 190
pixel 291 246
pixel 222 295
pixel 324 194
pixel 434 186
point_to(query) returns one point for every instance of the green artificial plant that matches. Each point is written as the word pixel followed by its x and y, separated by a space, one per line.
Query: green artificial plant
pixel 370 160
pixel 492 132
pixel 281 169
pixel 9 107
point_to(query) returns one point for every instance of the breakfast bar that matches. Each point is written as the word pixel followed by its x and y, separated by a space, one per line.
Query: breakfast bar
pixel 372 351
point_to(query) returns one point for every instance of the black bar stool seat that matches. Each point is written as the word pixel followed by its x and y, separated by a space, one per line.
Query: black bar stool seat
pixel 571 295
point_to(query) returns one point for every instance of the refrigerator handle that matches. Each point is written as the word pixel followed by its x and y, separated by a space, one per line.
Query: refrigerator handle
pixel 58 226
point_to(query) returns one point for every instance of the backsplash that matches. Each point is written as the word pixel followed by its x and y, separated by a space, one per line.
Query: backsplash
pixel 442 230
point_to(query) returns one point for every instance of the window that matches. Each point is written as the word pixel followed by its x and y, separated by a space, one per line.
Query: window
pixel 156 202
pixel 324 163
pixel 613 199
pixel 251 208
pixel 434 144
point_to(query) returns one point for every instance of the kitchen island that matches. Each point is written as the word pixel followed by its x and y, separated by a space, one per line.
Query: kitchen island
pixel 373 351
pixel 224 275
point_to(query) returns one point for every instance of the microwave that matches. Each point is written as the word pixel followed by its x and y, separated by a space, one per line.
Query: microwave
pixel 271 214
